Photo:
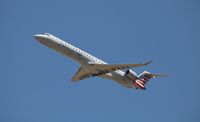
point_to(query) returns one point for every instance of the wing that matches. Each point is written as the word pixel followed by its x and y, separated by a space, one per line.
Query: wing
pixel 113 67
pixel 101 69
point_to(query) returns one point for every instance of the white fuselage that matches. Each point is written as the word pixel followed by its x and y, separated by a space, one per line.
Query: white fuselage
pixel 80 56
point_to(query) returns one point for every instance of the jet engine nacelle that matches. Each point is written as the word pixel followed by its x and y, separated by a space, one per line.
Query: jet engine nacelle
pixel 131 74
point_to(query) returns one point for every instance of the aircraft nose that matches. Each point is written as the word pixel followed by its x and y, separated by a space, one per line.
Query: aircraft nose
pixel 37 36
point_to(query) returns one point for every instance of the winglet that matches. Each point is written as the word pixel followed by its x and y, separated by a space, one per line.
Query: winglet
pixel 147 63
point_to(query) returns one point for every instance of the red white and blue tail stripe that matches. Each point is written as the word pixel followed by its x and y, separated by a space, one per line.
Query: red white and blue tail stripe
pixel 143 78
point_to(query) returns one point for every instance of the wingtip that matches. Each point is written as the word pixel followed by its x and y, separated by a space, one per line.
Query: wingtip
pixel 147 63
pixel 74 80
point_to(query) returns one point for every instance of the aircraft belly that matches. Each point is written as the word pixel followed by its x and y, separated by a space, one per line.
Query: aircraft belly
pixel 117 78
pixel 70 53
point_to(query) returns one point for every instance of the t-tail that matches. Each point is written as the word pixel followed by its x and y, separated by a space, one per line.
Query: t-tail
pixel 144 77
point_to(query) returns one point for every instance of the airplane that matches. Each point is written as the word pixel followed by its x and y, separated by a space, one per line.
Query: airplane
pixel 92 66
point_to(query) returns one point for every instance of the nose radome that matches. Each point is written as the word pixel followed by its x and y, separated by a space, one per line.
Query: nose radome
pixel 37 36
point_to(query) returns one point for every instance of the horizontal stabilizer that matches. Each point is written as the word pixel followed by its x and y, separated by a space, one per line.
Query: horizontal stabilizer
pixel 144 77
pixel 159 75
pixel 151 75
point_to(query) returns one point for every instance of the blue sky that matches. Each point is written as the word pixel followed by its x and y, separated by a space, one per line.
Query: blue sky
pixel 35 81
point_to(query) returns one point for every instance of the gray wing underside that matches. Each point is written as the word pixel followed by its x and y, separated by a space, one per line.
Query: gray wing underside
pixel 101 69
